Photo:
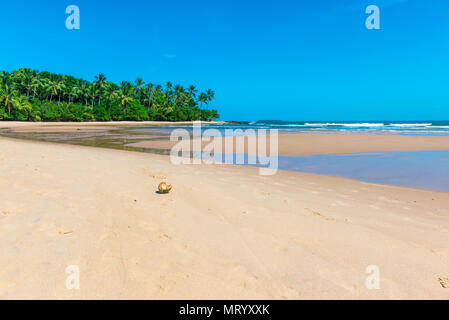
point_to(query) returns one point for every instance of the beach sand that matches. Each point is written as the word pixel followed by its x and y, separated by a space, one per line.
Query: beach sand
pixel 42 127
pixel 224 232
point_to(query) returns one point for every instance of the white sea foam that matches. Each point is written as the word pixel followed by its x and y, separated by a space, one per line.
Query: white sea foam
pixel 366 124
pixel 288 125
pixel 410 124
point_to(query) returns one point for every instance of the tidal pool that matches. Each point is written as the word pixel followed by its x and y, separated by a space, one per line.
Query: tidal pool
pixel 421 169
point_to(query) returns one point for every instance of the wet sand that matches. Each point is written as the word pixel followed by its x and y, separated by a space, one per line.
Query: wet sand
pixel 327 143
pixel 224 232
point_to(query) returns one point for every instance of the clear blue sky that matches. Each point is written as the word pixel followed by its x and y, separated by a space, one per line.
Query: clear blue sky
pixel 287 60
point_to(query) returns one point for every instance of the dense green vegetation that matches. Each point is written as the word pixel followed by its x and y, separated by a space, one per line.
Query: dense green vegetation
pixel 28 95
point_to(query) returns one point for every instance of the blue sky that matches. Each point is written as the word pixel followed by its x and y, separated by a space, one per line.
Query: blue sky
pixel 286 60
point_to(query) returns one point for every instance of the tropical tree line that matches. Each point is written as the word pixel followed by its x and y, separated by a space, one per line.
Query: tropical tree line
pixel 30 95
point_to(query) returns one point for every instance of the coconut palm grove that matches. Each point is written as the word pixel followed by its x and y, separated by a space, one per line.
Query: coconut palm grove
pixel 30 95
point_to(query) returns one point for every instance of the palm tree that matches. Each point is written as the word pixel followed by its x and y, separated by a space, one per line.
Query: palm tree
pixel 93 92
pixel 54 87
pixel 24 78
pixel 35 85
pixel 7 94
pixel 139 83
pixel 192 91
pixel 124 100
pixel 158 89
pixel 210 95
pixel 3 78
pixel 74 92
pixel 202 98
pixel 111 93
pixel 168 87
pixel 84 88
pixel 23 105
pixel 149 94
pixel 126 86
pixel 60 86
pixel 100 80
pixel 180 94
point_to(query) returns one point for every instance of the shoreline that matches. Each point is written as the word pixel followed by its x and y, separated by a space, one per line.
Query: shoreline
pixel 292 147
pixel 98 125
pixel 166 156
pixel 289 144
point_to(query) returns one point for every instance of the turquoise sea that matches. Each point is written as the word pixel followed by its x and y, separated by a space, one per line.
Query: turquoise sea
pixel 428 127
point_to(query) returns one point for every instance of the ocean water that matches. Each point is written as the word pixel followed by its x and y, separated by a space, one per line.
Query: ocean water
pixel 388 127
pixel 376 127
